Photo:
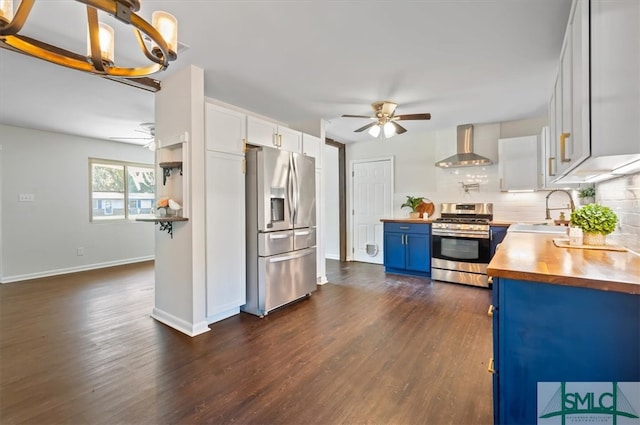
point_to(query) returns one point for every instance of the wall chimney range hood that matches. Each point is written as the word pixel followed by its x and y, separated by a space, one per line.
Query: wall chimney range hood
pixel 464 156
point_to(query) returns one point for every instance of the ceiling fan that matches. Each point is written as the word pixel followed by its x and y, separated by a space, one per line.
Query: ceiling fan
pixel 146 128
pixel 385 120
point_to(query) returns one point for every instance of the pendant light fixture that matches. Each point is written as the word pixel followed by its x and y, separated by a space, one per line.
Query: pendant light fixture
pixel 158 41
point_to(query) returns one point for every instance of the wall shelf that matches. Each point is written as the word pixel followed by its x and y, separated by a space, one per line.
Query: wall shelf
pixel 166 223
pixel 167 167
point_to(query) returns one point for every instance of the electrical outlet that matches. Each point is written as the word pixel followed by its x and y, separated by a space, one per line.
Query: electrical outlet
pixel 26 197
pixel 80 251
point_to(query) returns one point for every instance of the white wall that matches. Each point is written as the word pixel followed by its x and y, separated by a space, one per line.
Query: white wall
pixel 41 238
pixel 416 175
pixel 332 203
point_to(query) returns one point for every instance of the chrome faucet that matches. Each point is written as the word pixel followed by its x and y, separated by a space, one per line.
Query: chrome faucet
pixel 571 205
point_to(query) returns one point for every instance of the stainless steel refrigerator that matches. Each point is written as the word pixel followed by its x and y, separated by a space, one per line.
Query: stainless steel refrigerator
pixel 281 228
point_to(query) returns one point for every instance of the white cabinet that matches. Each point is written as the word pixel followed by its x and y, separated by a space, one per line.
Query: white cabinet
pixel 290 140
pixel 515 168
pixel 265 133
pixel 313 146
pixel 597 132
pixel 225 235
pixel 226 130
pixel 615 84
pixel 261 132
pixel 547 166
pixel 570 126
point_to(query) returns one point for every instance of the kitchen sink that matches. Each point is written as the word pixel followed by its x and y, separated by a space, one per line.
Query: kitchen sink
pixel 537 228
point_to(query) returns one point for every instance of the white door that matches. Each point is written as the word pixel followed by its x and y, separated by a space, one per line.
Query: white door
pixel 372 189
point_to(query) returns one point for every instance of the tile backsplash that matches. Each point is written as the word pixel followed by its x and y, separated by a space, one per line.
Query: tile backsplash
pixel 622 195
pixel 511 207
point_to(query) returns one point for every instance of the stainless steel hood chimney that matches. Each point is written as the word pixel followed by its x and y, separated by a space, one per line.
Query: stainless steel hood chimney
pixel 465 156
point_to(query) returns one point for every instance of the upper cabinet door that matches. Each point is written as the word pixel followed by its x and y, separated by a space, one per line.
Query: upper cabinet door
pixel 225 129
pixel 289 140
pixel 516 169
pixel 261 132
pixel 565 114
pixel 312 146
pixel 579 146
pixel 615 77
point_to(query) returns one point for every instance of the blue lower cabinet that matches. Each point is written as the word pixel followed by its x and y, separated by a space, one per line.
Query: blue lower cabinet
pixel 407 248
pixel 582 344
pixel 497 235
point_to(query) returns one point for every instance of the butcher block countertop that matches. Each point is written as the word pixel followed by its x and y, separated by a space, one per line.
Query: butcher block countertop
pixel 432 219
pixel 534 257
pixel 407 220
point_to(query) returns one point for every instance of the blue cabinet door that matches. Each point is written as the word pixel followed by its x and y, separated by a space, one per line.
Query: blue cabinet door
pixel 394 250
pixel 418 253
pixel 497 235
pixel 407 248
pixel 556 333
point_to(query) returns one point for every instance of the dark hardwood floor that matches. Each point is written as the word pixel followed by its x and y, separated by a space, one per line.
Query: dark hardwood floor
pixel 366 348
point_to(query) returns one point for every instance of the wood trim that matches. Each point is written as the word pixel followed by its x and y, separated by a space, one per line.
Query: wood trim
pixel 342 195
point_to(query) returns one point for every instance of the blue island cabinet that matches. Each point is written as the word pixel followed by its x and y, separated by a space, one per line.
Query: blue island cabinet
pixel 407 248
pixel 569 337
pixel 497 234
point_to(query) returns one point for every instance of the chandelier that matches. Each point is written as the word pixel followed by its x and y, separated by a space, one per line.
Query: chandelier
pixel 158 41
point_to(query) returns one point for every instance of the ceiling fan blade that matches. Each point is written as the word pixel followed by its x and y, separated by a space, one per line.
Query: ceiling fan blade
pixel 365 127
pixel 413 117
pixel 358 116
pixel 399 129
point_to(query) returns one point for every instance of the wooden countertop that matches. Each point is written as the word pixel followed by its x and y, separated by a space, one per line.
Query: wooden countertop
pixel 534 257
pixel 432 219
pixel 407 220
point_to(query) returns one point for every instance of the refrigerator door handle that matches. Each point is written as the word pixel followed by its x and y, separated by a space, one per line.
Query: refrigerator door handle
pixel 302 232
pixel 290 192
pixel 291 256
pixel 294 188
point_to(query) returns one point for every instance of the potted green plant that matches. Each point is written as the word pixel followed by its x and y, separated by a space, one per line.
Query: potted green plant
pixel 596 221
pixel 413 202
pixel 587 195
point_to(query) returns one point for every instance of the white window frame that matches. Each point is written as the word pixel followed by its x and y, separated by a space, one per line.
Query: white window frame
pixel 126 199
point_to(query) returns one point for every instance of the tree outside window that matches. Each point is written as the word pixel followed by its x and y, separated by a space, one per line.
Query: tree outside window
pixel 111 199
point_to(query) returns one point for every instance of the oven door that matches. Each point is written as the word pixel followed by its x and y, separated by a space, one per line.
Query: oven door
pixel 461 249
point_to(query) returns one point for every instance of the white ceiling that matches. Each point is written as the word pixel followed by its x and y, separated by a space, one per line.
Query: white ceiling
pixel 465 61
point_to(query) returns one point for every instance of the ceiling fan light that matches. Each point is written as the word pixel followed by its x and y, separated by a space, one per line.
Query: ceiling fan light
pixel 6 10
pixel 389 130
pixel 167 26
pixel 106 36
pixel 374 131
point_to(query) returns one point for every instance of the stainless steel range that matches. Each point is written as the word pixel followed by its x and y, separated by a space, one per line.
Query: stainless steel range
pixel 461 243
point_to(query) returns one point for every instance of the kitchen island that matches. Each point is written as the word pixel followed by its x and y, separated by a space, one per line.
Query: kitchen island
pixel 561 315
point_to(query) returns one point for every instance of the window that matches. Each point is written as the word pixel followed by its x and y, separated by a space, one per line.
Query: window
pixel 115 198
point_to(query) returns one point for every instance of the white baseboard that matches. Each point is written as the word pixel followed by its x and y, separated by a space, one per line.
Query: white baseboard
pixel 191 329
pixel 332 256
pixel 84 268
pixel 322 280
pixel 223 315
